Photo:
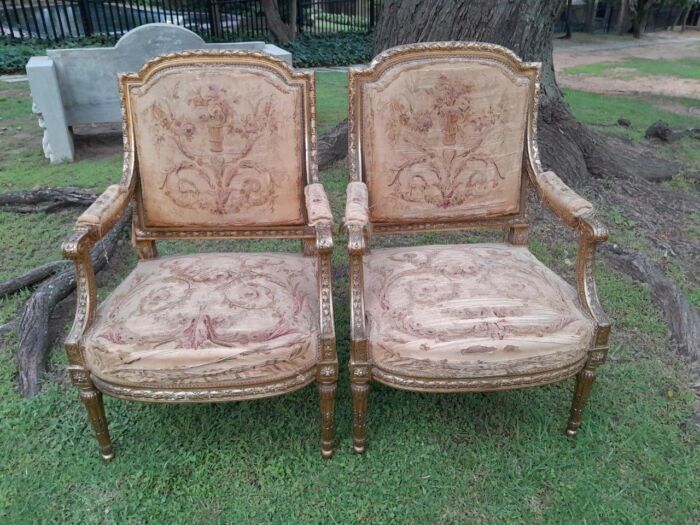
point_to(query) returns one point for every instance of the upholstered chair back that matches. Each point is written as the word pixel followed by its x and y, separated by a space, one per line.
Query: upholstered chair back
pixel 439 132
pixel 219 141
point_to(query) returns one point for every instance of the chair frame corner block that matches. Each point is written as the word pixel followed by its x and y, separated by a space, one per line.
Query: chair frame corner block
pixel 315 236
pixel 591 234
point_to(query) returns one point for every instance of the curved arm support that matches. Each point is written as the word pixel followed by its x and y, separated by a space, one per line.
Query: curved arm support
pixel 90 227
pixel 593 233
pixel 579 214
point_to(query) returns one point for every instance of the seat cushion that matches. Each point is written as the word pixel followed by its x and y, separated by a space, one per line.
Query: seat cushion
pixel 208 320
pixel 462 311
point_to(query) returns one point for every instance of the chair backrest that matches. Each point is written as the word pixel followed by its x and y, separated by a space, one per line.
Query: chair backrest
pixel 438 131
pixel 220 141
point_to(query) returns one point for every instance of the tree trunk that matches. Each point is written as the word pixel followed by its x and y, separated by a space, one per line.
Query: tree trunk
pixel 591 9
pixel 572 150
pixel 621 17
pixel 641 14
pixel 283 32
pixel 567 22
pixel 684 18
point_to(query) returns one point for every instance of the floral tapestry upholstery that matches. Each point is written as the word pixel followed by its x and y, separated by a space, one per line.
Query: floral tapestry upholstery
pixel 443 139
pixel 219 146
pixel 474 310
pixel 208 320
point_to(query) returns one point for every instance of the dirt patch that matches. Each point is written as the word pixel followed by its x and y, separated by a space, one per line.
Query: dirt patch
pixel 647 85
pixel 666 46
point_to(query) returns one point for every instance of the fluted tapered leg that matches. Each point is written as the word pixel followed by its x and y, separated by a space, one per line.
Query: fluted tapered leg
pixel 92 399
pixel 584 384
pixel 360 392
pixel 327 394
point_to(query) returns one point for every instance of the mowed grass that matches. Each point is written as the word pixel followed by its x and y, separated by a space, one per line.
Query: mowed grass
pixel 635 67
pixel 455 459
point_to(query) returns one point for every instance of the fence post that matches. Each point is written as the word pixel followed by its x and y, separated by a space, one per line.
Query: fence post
pixel 215 27
pixel 85 17
pixel 371 15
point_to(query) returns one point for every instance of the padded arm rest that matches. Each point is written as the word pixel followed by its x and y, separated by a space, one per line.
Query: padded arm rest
pixel 564 201
pixel 357 204
pixel 106 210
pixel 317 207
pixel 356 221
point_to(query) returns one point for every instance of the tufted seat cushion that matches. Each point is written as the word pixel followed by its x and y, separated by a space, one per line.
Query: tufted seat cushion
pixel 465 311
pixel 208 320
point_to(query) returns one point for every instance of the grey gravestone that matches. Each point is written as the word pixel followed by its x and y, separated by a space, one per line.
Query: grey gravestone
pixel 72 87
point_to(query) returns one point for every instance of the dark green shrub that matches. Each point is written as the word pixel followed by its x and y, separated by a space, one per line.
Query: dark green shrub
pixel 340 49
pixel 14 53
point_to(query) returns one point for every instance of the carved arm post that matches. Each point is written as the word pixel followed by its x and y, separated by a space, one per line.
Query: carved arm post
pixel 578 213
pixel 356 224
pixel 320 217
pixel 90 227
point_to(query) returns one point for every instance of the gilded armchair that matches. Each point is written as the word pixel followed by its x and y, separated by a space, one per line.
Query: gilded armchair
pixel 217 145
pixel 443 137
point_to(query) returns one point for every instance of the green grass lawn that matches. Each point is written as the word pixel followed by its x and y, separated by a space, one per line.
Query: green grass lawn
pixel 455 459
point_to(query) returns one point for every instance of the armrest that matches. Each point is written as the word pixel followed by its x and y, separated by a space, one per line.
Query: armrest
pixel 561 199
pixel 106 210
pixel 356 221
pixel 318 210
pixel 578 213
pixel 92 225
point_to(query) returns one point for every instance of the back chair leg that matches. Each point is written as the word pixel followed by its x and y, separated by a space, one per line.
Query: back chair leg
pixel 327 393
pixel 92 398
pixel 360 392
pixel 584 384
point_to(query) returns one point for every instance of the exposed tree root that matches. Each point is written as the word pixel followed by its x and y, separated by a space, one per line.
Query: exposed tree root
pixel 33 326
pixel 333 145
pixel 682 317
pixel 46 200
pixel 33 276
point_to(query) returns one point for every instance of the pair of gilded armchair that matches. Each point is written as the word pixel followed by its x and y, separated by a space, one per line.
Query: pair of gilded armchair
pixel 442 137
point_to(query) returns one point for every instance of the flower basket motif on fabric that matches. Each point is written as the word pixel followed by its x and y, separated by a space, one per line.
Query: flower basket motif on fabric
pixel 216 174
pixel 445 166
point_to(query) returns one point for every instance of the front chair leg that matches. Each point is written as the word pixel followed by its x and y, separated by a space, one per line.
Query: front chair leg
pixel 360 392
pixel 92 398
pixel 584 384
pixel 327 394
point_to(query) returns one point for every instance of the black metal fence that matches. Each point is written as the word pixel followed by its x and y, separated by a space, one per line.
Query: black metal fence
pixel 212 19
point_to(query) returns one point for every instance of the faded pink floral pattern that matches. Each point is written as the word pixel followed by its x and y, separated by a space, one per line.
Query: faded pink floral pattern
pixel 458 170
pixel 208 319
pixel 216 178
pixel 467 309
pixel 219 146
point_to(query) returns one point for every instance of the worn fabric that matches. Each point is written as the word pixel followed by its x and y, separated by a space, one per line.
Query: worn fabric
pixel 219 146
pixel 562 199
pixel 356 205
pixel 470 311
pixel 318 208
pixel 107 208
pixel 443 139
pixel 208 320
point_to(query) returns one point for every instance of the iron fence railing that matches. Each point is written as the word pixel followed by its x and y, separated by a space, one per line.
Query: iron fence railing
pixel 212 19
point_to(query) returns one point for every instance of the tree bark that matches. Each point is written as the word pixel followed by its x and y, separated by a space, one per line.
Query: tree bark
pixel 591 9
pixel 572 150
pixel 45 200
pixel 621 17
pixel 283 32
pixel 34 276
pixel 682 317
pixel 567 22
pixel 34 322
